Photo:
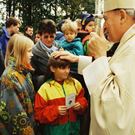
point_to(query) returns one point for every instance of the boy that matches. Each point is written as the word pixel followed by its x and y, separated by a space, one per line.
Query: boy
pixel 52 108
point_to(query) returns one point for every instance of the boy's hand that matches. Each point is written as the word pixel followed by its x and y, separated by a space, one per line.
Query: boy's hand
pixel 62 110
pixel 77 106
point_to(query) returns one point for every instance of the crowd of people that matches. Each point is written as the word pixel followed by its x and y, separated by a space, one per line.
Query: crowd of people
pixel 25 68
pixel 68 79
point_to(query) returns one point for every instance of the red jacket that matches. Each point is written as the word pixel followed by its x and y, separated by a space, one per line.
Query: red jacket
pixel 51 95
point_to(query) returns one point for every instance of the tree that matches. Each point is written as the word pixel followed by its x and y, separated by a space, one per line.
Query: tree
pixel 32 11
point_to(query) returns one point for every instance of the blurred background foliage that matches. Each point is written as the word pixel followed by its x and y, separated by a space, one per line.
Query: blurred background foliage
pixel 30 12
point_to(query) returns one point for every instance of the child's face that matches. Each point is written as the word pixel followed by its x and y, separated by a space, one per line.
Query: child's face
pixel 60 74
pixel 70 35
pixel 90 27
pixel 47 39
pixel 37 38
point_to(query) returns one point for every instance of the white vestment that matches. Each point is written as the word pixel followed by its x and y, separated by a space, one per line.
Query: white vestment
pixel 111 84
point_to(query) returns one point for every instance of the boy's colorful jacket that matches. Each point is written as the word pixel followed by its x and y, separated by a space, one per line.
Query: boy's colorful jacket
pixel 51 95
pixel 16 101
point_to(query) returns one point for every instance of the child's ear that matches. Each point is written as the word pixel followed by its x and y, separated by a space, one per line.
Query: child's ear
pixel 52 69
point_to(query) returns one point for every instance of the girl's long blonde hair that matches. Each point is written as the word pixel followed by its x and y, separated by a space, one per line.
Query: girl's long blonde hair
pixel 17 47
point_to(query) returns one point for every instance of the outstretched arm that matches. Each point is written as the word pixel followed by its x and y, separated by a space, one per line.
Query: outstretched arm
pixel 66 55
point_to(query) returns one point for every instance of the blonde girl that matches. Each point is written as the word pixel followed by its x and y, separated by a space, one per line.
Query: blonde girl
pixel 16 90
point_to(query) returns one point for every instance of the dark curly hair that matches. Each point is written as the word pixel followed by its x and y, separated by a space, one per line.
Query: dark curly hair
pixel 47 26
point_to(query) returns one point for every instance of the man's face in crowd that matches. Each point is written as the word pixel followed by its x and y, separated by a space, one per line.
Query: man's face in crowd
pixel 29 31
pixel 15 28
pixel 112 25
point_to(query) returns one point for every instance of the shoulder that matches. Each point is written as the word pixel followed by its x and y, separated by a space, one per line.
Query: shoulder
pixel 46 84
pixel 86 38
pixel 5 34
pixel 36 46
pixel 63 41
pixel 77 41
pixel 45 87
pixel 76 82
pixel 56 44
pixel 9 75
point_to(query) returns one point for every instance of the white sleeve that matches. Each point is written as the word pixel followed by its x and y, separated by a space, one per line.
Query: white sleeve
pixel 95 72
pixel 84 61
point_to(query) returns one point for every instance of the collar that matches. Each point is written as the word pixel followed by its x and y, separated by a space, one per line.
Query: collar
pixel 6 32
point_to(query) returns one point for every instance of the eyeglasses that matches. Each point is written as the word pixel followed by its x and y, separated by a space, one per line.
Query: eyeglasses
pixel 47 36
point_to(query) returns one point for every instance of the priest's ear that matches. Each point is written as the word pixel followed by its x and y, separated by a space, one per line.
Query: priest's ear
pixel 123 16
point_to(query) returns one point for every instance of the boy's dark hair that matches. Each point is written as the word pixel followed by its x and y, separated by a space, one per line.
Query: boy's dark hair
pixel 12 21
pixel 47 26
pixel 57 62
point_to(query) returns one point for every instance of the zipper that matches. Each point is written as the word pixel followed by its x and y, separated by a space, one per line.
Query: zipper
pixel 65 96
